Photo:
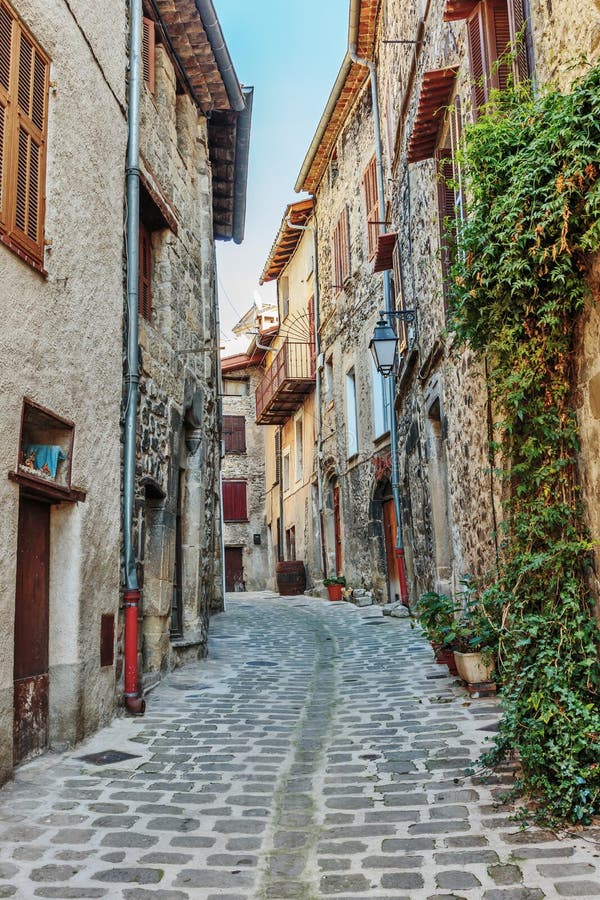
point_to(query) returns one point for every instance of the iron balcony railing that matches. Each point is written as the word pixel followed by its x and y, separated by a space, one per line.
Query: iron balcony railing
pixel 286 382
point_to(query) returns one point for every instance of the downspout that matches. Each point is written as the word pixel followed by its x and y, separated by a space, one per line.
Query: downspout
pixel 387 292
pixel 220 427
pixel 131 595
pixel 318 413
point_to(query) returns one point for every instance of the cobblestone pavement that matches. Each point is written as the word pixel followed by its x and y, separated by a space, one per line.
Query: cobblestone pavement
pixel 318 752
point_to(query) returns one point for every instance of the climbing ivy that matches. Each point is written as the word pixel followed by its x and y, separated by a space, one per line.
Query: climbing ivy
pixel 519 285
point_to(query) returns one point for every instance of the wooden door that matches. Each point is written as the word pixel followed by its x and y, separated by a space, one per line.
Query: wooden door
pixel 337 521
pixel 30 722
pixel 390 534
pixel 234 569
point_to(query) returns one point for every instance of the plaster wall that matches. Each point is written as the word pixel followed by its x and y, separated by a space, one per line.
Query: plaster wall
pixel 61 347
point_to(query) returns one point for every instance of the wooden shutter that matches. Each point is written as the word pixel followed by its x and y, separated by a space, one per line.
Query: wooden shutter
pixel 234 501
pixel 398 324
pixel 498 31
pixel 145 273
pixel 477 60
pixel 149 53
pixel 517 21
pixel 234 434
pixel 372 206
pixel 277 452
pixel 446 212
pixel 24 72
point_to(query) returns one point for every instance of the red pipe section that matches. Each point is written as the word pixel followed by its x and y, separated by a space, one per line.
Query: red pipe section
pixel 402 575
pixel 133 702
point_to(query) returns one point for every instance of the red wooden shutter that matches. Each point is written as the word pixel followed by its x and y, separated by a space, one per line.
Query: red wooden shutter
pixel 477 59
pixel 145 273
pixel 447 211
pixel 149 53
pixel 372 206
pixel 498 30
pixel 517 21
pixel 234 501
pixel 234 434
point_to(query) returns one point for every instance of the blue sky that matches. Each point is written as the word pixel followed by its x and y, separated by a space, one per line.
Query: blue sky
pixel 291 52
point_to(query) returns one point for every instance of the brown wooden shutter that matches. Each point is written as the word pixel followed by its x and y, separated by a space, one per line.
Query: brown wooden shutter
pixel 234 434
pixel 24 72
pixel 446 211
pixel 341 251
pixel 477 60
pixel 5 62
pixel 145 273
pixel 234 501
pixel 345 244
pixel 31 98
pixel 149 53
pixel 277 451
pixel 518 36
pixel 498 42
pixel 372 206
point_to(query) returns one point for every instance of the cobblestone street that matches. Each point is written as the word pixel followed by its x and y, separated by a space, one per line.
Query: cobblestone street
pixel 318 752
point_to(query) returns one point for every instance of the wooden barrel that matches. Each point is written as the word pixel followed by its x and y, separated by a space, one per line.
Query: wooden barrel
pixel 291 577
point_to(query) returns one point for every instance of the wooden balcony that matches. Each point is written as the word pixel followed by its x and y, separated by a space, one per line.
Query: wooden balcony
pixel 284 385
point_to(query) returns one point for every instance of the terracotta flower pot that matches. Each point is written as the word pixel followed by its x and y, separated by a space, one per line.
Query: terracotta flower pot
pixel 472 668
pixel 334 591
pixel 446 658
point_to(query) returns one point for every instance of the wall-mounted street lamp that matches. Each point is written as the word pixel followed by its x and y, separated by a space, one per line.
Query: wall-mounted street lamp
pixel 384 343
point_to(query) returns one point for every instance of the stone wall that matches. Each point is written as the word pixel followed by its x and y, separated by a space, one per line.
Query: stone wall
pixel 62 348
pixel 348 317
pixel 250 467
pixel 178 450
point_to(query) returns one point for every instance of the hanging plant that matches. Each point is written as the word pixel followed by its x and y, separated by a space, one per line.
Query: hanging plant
pixel 519 285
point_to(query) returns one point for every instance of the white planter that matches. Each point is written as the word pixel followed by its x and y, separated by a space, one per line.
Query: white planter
pixel 472 668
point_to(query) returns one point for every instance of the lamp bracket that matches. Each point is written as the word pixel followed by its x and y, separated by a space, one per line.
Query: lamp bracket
pixel 405 315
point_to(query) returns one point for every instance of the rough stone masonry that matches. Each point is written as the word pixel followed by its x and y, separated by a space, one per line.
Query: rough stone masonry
pixel 318 752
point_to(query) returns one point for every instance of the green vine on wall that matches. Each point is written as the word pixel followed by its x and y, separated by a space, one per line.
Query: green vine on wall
pixel 533 174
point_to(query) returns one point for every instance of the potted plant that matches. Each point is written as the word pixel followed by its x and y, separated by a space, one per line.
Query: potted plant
pixel 334 586
pixel 474 640
pixel 436 614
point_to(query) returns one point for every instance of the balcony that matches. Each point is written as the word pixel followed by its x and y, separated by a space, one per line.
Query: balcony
pixel 285 384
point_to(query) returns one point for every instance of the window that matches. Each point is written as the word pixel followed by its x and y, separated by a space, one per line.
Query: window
pixel 234 501
pixel 145 273
pixel 381 403
pixel 299 447
pixel 286 469
pixel 284 287
pixel 372 206
pixel 493 26
pixel 446 211
pixel 351 415
pixel 235 387
pixel 398 324
pixel 149 53
pixel 341 252
pixel 24 73
pixel 234 434
pixel 290 542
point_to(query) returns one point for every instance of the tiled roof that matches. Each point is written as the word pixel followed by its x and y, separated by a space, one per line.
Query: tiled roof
pixel 287 239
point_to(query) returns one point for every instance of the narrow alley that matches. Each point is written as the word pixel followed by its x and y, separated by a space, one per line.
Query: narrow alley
pixel 319 751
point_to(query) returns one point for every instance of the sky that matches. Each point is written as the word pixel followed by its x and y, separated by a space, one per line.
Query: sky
pixel 291 53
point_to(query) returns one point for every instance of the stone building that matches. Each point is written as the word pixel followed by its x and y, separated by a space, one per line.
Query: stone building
pixel 61 301
pixel 285 398
pixel 193 186
pixel 340 171
pixel 246 549
pixel 62 213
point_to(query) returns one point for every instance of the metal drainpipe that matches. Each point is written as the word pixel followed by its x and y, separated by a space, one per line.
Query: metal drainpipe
pixel 131 596
pixel 318 415
pixel 387 296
